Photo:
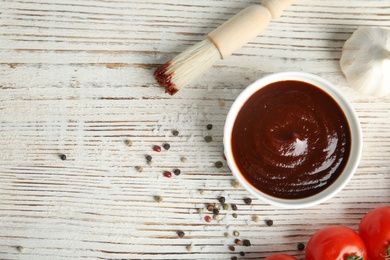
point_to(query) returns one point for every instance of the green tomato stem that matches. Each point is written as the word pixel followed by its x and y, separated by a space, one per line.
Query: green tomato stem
pixel 388 252
pixel 355 257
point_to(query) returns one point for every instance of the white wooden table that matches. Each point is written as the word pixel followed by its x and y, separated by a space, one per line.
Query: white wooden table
pixel 76 78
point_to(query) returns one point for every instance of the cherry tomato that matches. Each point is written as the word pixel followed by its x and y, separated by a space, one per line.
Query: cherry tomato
pixel 336 243
pixel 280 257
pixel 374 229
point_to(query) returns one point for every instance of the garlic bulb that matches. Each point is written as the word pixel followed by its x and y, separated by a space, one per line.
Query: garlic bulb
pixel 365 61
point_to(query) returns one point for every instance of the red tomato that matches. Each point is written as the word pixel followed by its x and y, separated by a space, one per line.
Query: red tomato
pixel 374 229
pixel 336 243
pixel 280 257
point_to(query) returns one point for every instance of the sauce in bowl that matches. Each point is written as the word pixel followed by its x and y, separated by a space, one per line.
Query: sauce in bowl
pixel 290 140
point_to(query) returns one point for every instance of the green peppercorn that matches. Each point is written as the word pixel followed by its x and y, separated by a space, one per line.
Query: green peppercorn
pixel 208 139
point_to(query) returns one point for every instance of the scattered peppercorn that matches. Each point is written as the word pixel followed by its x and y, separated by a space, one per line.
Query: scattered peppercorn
pixel 158 198
pixel 235 184
pixel 189 248
pixel 227 234
pixel 225 206
pixel 216 217
pixel 180 233
pixel 234 207
pixel 148 158
pixel 128 142
pixel 200 211
pixel 202 192
pixel 167 174
pixel 210 207
pixel 218 164
pixel 301 246
pixel 242 253
pixel 183 159
pixel 236 233
pixel 222 199
pixel 234 258
pixel 157 148
pixel 232 248
pixel 20 249
pixel 234 215
pixel 177 172
pixel 207 218
pixel 175 132
pixel 63 157
pixel 166 146
pixel 248 201
pixel 269 222
pixel 221 102
pixel 208 139
pixel 216 211
pixel 246 242
pixel 209 126
pixel 256 218
pixel 139 168
pixel 238 242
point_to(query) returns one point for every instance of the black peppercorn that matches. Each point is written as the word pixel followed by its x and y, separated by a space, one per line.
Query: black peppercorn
pixel 216 211
pixel 269 222
pixel 166 146
pixel 248 201
pixel 176 172
pixel 148 158
pixel 63 157
pixel 232 248
pixel 218 164
pixel 175 132
pixel 222 200
pixel 234 207
pixel 301 246
pixel 242 253
pixel 180 233
pixel 209 126
pixel 246 242
pixel 234 258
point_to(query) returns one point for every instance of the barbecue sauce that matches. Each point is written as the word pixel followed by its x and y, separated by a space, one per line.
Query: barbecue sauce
pixel 291 140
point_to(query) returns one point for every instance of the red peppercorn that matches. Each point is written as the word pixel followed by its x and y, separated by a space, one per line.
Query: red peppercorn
pixel 157 148
pixel 238 242
pixel 167 174
pixel 207 218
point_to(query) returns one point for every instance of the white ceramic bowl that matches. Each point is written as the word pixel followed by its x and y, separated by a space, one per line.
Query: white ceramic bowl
pixel 355 131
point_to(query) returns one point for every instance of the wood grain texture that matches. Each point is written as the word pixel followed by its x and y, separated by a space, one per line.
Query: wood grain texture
pixel 76 79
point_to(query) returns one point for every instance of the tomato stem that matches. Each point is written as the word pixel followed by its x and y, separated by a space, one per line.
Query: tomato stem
pixel 355 257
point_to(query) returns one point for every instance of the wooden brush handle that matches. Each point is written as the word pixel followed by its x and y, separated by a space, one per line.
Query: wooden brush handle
pixel 246 25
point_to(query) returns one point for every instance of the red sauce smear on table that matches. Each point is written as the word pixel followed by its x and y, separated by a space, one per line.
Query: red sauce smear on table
pixel 291 140
pixel 165 79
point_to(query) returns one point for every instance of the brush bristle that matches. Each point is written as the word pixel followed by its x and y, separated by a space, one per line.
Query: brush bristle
pixel 188 65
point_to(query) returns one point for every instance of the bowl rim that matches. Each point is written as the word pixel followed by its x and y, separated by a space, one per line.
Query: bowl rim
pixel 352 120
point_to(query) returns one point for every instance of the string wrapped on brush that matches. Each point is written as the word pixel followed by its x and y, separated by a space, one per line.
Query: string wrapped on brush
pixel 219 44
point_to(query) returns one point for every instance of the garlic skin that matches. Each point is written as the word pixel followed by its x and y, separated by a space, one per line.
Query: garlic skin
pixel 365 61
